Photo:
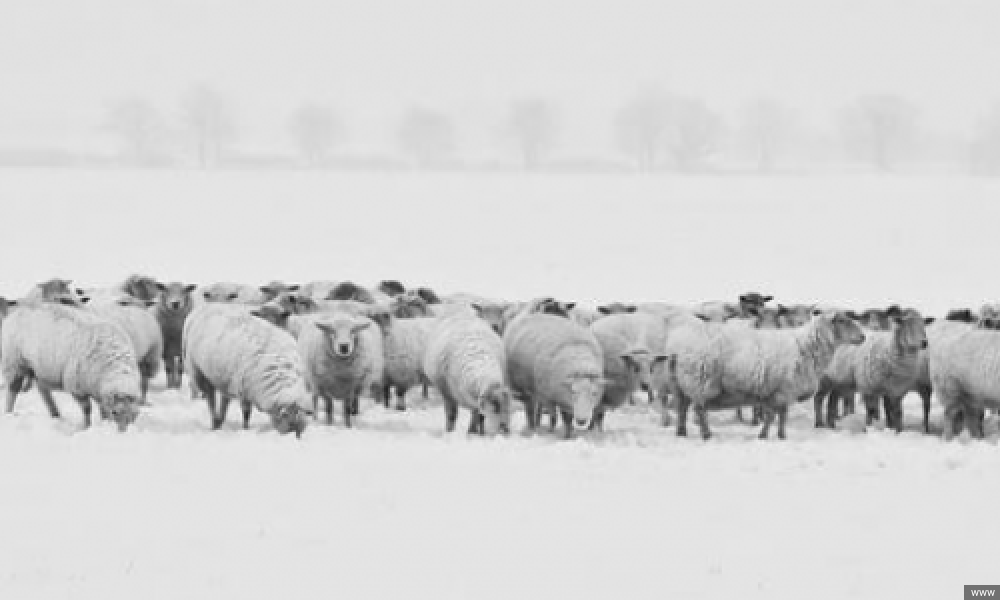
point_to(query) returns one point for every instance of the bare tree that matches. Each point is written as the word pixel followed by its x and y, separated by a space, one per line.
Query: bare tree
pixel 532 125
pixel 427 137
pixel 141 131
pixel 880 129
pixel 641 125
pixel 984 150
pixel 315 131
pixel 693 134
pixel 767 128
pixel 208 118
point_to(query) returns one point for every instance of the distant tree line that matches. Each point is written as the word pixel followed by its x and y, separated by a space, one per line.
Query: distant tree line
pixel 652 131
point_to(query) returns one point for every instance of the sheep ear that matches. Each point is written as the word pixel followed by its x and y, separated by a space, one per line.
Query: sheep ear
pixel 327 328
pixel 627 358
pixel 604 310
pixel 767 299
pixel 703 318
pixel 660 358
pixel 150 303
pixel 631 309
pixel 266 289
pixel 84 299
pixel 569 306
pixel 929 320
pixel 189 288
pixel 360 326
pixel 294 288
pixel 161 287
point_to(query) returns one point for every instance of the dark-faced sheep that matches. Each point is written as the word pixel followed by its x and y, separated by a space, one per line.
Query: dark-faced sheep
pixel 174 305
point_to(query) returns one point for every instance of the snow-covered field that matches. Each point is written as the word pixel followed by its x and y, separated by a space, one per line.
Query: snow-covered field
pixel 395 508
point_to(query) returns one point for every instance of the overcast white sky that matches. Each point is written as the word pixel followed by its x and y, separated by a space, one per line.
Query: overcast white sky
pixel 62 61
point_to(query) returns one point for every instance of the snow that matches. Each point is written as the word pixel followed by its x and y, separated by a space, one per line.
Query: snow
pixel 397 508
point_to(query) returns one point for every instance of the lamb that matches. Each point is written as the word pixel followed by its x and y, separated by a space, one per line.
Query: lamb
pixel 465 361
pixel 632 345
pixel 172 309
pixel 718 366
pixel 143 331
pixel 963 370
pixel 54 290
pixel 553 363
pixel 885 366
pixel 229 351
pixel 404 343
pixel 235 293
pixel 78 352
pixel 343 356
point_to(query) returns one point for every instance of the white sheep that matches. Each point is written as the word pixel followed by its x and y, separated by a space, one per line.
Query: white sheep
pixel 716 366
pixel 884 367
pixel 78 352
pixel 555 364
pixel 464 361
pixel 343 357
pixel 143 331
pixel 404 343
pixel 633 346
pixel 965 373
pixel 229 351
pixel 54 290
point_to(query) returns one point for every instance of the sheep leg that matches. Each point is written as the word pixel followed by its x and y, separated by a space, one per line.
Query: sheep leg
pixel 768 414
pixel 756 415
pixel 782 417
pixel 699 410
pixel 386 391
pixel 247 408
pixel 328 407
pixel 849 404
pixel 567 418
pixel 210 400
pixel 85 406
pixel 424 386
pixel 925 398
pixel 952 414
pixel 400 399
pixel 13 387
pixel 349 406
pixel 825 392
pixel 450 412
pixel 530 413
pixel 597 422
pixel 835 400
pixel 220 417
pixel 871 408
pixel 683 402
pixel 50 402
pixel 477 423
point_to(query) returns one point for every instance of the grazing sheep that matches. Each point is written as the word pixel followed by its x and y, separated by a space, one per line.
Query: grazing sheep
pixel 404 342
pixel 348 290
pixel 229 351
pixel 172 308
pixel 553 363
pixel 343 356
pixel 143 331
pixel 632 345
pixel 884 367
pixel 276 288
pixel 464 361
pixel 722 366
pixel 963 361
pixel 318 290
pixel 234 293
pixel 55 290
pixel 391 288
pixel 78 352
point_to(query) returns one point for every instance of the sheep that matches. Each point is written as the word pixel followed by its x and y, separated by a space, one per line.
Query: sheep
pixel 632 345
pixel 553 363
pixel 174 305
pixel 404 342
pixel 143 331
pixel 54 290
pixel 235 293
pixel 318 290
pixel 343 356
pixel 873 318
pixel 348 290
pixel 229 351
pixel 143 287
pixel 464 360
pixel 885 366
pixel 75 351
pixel 500 315
pixel 718 366
pixel 275 288
pixel 963 363
pixel 391 287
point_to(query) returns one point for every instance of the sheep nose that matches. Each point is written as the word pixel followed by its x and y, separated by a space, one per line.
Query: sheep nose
pixel 344 349
pixel 582 423
pixel 175 304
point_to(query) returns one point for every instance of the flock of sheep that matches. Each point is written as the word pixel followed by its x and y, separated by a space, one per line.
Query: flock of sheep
pixel 290 351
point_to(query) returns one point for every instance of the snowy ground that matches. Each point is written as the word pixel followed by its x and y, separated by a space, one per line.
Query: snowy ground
pixel 395 508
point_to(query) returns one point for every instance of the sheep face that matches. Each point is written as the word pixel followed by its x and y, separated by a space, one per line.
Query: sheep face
pixel 289 418
pixel 409 305
pixel 794 316
pixel 495 408
pixel 910 333
pixel 175 297
pixel 275 289
pixel 123 409
pixel 273 313
pixel 142 287
pixel 643 367
pixel 58 290
pixel 585 393
pixel 845 329
pixel 342 335
pixel 750 301
pixel 493 314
